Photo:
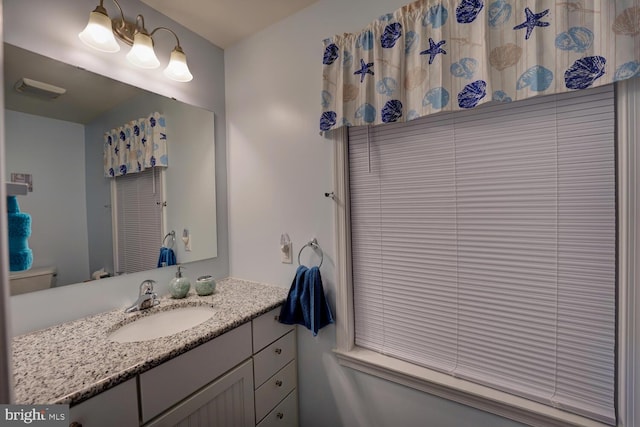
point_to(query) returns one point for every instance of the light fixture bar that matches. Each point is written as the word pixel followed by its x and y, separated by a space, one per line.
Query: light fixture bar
pixel 100 31
pixel 124 30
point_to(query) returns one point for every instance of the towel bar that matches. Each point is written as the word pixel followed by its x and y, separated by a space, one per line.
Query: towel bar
pixel 312 244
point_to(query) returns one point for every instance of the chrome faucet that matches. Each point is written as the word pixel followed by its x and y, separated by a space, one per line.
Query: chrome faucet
pixel 146 298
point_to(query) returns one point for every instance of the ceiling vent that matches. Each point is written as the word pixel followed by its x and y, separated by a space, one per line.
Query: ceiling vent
pixel 40 89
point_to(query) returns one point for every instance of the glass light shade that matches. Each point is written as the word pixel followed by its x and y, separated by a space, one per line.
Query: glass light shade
pixel 98 33
pixel 142 54
pixel 177 69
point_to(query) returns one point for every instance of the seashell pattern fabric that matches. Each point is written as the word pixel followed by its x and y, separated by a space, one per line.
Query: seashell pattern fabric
pixel 627 22
pixel 505 56
pixel 446 55
pixel 136 146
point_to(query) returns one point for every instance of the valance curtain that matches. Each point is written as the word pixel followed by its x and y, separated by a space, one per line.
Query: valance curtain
pixel 136 146
pixel 446 55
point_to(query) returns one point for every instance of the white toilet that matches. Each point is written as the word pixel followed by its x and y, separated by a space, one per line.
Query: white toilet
pixel 34 279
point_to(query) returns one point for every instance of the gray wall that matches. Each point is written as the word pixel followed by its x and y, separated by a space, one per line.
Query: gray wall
pixel 53 152
pixel 51 29
pixel 279 168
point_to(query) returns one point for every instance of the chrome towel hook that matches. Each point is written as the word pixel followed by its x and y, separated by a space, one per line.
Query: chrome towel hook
pixel 313 244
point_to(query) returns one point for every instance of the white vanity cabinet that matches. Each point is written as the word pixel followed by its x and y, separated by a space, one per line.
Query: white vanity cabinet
pixel 242 378
pixel 274 371
pixel 209 386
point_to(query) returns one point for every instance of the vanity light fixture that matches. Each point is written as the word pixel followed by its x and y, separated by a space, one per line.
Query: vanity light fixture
pixel 101 32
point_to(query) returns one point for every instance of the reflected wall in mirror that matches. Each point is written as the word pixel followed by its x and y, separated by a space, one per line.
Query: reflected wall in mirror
pixel 59 142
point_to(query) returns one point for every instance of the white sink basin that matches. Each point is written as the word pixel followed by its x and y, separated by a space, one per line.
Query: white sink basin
pixel 162 324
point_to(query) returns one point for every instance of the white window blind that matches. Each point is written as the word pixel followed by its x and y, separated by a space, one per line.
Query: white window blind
pixel 138 200
pixel 484 246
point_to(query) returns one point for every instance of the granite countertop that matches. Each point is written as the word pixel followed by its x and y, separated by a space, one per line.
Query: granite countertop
pixel 73 361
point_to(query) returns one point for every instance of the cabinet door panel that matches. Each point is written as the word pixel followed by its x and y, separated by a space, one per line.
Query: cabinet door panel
pixel 169 383
pixel 227 402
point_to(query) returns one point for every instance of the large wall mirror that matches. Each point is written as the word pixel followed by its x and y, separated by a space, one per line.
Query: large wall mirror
pixel 59 144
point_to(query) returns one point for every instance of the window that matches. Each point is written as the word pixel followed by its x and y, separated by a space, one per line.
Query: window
pixel 137 199
pixel 483 245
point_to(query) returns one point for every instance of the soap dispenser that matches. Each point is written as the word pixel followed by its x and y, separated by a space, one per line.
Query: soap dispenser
pixel 179 285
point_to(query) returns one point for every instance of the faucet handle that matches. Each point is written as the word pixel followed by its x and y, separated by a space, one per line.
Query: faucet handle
pixel 146 287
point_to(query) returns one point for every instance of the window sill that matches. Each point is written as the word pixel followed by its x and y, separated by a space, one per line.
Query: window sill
pixel 461 391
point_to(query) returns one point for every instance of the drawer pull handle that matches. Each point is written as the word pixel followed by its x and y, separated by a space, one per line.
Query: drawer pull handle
pixel 278 350
pixel 279 383
pixel 280 415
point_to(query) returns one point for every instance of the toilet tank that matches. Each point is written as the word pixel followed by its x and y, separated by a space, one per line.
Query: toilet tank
pixel 34 279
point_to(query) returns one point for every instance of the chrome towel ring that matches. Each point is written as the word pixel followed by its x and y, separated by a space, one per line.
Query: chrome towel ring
pixel 313 244
pixel 171 234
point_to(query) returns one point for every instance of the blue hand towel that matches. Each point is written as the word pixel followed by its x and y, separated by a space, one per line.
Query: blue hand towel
pixel 19 224
pixel 291 311
pixel 306 303
pixel 167 256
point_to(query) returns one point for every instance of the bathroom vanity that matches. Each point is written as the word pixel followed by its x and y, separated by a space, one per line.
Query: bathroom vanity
pixel 236 369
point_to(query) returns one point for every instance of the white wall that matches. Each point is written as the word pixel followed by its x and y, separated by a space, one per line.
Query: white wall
pixel 53 152
pixel 279 168
pixel 51 29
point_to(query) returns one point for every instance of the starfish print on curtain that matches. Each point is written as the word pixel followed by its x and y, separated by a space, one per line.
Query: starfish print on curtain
pixel 447 55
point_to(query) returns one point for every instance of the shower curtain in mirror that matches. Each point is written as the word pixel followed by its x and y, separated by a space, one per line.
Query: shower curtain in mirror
pixel 446 55
pixel 136 146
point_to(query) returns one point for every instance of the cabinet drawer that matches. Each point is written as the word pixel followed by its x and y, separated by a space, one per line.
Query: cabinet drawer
pixel 273 358
pixel 269 394
pixel 177 378
pixel 114 407
pixel 283 415
pixel 267 329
